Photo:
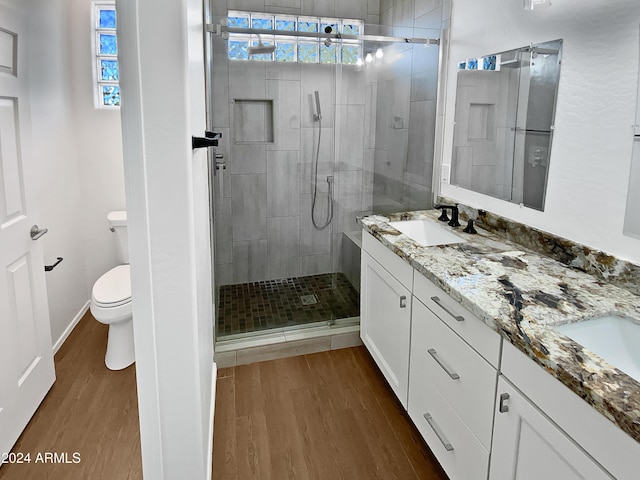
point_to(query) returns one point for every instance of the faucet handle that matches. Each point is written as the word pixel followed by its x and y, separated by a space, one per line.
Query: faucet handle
pixel 469 228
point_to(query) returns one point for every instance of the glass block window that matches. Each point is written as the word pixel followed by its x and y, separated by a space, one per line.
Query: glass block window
pixel 239 48
pixel 263 23
pixel 107 71
pixel 328 53
pixel 328 26
pixel 349 28
pixel 286 51
pixel 240 20
pixel 285 23
pixel 295 49
pixel 350 54
pixel 308 25
pixel 308 52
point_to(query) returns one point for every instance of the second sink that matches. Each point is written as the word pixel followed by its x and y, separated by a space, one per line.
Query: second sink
pixel 614 339
pixel 426 232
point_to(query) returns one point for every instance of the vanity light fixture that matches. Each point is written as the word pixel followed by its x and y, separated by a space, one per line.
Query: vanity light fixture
pixel 533 4
pixel 379 53
pixel 368 58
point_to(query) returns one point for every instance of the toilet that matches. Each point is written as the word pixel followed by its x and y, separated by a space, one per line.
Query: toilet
pixel 111 300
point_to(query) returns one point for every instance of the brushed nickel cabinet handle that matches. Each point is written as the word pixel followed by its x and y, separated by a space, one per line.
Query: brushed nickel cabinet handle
pixel 459 318
pixel 434 426
pixel 434 354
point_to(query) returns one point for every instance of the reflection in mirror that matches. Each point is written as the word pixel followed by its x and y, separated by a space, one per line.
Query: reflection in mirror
pixel 632 212
pixel 505 109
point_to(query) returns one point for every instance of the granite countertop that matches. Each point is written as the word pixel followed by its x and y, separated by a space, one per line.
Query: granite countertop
pixel 522 295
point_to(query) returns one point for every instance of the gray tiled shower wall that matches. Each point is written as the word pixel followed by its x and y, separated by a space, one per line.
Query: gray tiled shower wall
pixel 378 127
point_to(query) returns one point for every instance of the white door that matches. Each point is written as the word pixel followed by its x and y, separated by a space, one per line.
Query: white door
pixel 26 355
pixel 386 323
pixel 527 446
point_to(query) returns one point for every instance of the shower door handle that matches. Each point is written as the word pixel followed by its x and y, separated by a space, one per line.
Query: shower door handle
pixel 210 139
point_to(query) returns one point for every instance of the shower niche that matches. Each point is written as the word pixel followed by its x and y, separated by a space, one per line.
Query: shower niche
pixel 253 121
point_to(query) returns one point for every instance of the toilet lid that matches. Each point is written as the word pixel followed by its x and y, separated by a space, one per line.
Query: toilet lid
pixel 114 287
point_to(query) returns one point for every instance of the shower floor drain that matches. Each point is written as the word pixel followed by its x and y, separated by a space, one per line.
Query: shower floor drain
pixel 309 299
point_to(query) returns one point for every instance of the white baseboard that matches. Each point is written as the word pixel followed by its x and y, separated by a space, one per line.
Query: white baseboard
pixel 211 417
pixel 71 326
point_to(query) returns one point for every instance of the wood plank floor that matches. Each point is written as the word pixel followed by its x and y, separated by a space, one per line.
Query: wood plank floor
pixel 324 416
pixel 90 410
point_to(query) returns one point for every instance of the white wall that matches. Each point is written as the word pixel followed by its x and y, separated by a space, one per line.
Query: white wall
pixel 98 139
pixel 80 174
pixel 60 184
pixel 591 153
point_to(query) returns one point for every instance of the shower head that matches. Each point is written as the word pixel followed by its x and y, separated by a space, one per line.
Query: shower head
pixel 261 49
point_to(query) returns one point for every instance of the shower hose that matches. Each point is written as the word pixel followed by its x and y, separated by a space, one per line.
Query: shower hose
pixel 325 224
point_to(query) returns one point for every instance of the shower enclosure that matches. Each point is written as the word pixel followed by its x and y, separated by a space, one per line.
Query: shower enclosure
pixel 335 122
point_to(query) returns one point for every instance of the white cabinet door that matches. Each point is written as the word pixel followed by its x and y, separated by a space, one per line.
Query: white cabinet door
pixel 528 446
pixel 385 322
pixel 26 355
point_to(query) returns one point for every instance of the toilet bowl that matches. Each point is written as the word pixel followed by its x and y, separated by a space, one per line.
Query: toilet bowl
pixel 111 305
pixel 111 301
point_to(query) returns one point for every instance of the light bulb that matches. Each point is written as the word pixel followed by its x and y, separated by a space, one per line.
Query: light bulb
pixel 368 58
pixel 359 62
pixel 379 53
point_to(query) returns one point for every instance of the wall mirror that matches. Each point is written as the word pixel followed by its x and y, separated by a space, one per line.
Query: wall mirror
pixel 504 123
pixel 632 212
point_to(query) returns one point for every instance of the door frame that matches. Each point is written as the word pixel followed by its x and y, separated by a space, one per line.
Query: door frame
pixel 160 58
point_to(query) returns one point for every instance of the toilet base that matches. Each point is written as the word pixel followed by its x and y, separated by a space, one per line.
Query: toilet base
pixel 120 349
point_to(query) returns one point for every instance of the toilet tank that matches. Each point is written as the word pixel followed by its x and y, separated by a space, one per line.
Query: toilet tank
pixel 118 221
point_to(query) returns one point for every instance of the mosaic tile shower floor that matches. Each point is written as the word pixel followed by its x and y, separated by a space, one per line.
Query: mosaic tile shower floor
pixel 250 307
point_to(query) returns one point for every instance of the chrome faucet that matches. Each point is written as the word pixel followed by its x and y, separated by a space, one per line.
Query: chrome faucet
pixel 454 214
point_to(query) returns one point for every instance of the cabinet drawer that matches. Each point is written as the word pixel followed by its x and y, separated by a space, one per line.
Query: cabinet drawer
pixel 473 330
pixel 466 458
pixel 464 378
pixel 396 266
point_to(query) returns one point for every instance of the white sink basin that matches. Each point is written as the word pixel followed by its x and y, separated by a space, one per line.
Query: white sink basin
pixel 426 232
pixel 614 339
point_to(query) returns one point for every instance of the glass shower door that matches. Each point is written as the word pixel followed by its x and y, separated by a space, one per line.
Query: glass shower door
pixel 274 269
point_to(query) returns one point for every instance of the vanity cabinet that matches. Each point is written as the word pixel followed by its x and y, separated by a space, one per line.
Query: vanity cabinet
pixel 600 441
pixel 528 446
pixel 385 292
pixel 451 395
pixel 485 409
